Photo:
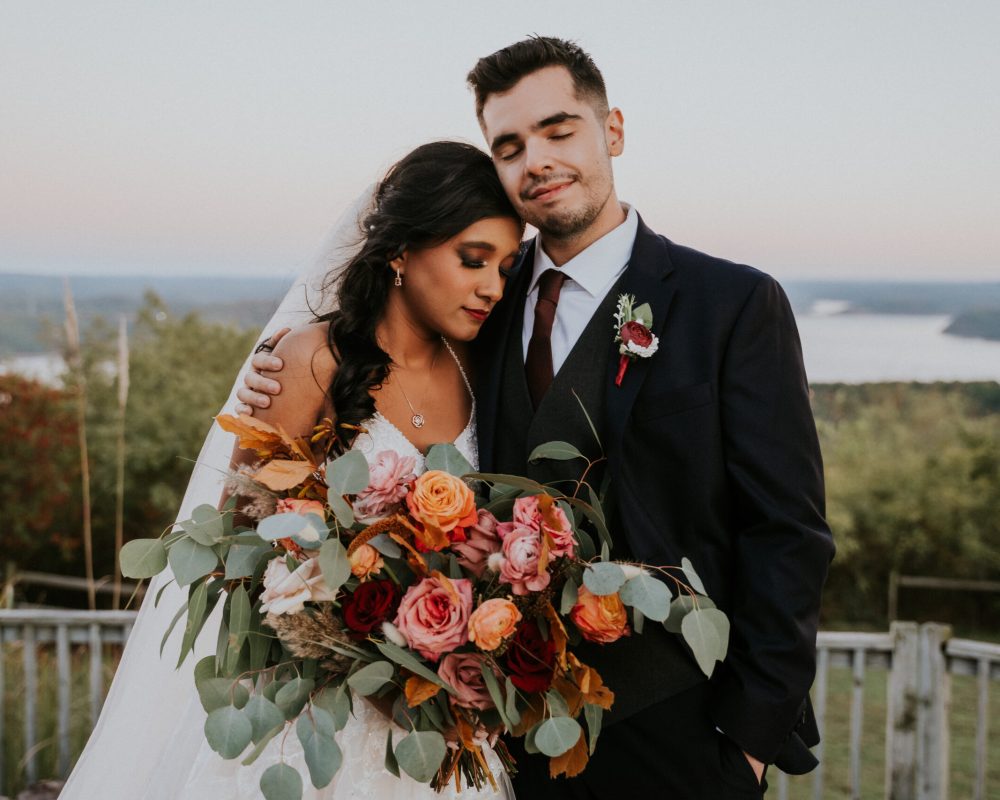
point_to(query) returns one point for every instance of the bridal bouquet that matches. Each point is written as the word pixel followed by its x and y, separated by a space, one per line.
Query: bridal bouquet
pixel 457 615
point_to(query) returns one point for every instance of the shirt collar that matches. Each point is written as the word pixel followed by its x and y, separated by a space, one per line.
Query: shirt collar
pixel 596 266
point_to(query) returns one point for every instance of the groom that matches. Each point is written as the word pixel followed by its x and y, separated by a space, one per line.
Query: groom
pixel 711 450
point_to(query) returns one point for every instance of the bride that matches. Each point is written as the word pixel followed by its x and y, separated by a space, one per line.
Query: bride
pixel 389 357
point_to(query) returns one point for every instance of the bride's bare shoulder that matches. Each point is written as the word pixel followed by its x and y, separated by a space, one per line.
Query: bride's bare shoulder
pixel 306 354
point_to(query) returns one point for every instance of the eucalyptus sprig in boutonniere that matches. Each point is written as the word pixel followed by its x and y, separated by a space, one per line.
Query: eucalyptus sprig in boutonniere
pixel 633 334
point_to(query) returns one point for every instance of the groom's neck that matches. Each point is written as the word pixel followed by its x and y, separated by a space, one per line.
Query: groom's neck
pixel 562 249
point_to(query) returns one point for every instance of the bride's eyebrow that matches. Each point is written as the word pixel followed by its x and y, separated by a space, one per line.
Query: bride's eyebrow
pixel 479 246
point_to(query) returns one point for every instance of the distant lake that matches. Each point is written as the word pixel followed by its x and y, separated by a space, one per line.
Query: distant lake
pixel 839 348
pixel 864 348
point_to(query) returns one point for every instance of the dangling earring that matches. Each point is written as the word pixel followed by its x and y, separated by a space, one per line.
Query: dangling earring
pixel 399 279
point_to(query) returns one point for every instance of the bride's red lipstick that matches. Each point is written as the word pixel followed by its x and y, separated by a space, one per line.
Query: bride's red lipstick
pixel 477 314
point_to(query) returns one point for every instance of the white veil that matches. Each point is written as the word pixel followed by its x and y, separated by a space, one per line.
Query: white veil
pixel 151 725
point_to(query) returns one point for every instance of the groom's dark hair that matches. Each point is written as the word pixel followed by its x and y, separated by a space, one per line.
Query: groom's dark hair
pixel 502 70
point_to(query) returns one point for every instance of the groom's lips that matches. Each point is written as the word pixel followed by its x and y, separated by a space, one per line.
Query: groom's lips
pixel 548 191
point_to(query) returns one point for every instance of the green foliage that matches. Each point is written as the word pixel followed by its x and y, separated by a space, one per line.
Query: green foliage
pixel 913 485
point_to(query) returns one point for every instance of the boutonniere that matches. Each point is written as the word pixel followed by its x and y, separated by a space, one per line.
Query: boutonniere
pixel 632 333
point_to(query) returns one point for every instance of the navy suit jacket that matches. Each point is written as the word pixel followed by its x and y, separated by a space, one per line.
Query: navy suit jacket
pixel 714 456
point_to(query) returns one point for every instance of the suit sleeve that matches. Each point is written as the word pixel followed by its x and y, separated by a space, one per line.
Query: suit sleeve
pixel 782 545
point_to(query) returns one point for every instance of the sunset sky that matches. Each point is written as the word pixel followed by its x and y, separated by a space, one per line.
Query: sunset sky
pixel 814 140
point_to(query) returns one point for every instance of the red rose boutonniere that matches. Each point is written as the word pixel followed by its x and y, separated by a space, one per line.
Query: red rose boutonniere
pixel 634 338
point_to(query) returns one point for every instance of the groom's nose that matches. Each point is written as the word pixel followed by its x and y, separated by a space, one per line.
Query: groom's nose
pixel 537 156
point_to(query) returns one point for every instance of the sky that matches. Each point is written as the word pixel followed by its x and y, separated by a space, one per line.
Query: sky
pixel 856 139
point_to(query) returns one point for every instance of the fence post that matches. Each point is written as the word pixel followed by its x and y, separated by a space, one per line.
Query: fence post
pixel 934 692
pixel 901 716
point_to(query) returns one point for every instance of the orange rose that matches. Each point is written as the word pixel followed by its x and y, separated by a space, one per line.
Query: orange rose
pixel 600 618
pixel 365 562
pixel 491 623
pixel 442 503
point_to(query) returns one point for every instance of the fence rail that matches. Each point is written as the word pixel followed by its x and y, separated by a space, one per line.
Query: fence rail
pixel 917 660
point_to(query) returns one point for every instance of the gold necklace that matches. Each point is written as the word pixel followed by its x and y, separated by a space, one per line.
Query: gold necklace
pixel 418 420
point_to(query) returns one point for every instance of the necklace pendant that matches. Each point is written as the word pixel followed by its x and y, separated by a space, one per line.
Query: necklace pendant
pixel 417 420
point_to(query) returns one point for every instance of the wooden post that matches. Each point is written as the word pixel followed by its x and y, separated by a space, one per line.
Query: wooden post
pixel 901 714
pixel 934 693
pixel 893 609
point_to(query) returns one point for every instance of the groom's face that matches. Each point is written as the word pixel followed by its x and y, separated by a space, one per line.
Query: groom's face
pixel 552 150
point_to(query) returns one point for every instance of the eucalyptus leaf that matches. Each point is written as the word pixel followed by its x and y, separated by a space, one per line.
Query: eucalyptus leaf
pixel 341 508
pixel 219 692
pixel 369 679
pixel 206 525
pixel 261 745
pixel 643 314
pixel 706 631
pixel 348 474
pixel 447 458
pixel 692 577
pixel 510 707
pixel 173 623
pixel 569 596
pixel 337 701
pixel 281 782
pixel 242 558
pixel 143 558
pixel 412 663
pixel 315 730
pixel 590 422
pixel 493 687
pixel 263 715
pixel 228 731
pixel 555 451
pixel 680 607
pixel 593 714
pixel 514 481
pixel 334 563
pixel 197 611
pixel 239 616
pixel 420 754
pixel 647 594
pixel 307 530
pixel 190 561
pixel 638 620
pixel 161 590
pixel 596 518
pixel 556 703
pixel 391 764
pixel 293 696
pixel 603 578
pixel 557 735
pixel 386 546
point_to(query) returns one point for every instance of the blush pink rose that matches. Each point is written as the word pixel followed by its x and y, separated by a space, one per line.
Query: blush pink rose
pixel 286 592
pixel 434 615
pixel 526 513
pixel 522 546
pixel 390 476
pixel 481 542
pixel 464 673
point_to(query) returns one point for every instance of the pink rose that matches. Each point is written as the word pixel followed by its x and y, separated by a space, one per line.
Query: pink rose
pixel 480 543
pixel 390 475
pixel 526 512
pixel 521 547
pixel 463 672
pixel 434 615
pixel 286 592
pixel 292 505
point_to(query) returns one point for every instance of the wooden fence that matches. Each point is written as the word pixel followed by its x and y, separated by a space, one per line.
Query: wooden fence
pixel 920 661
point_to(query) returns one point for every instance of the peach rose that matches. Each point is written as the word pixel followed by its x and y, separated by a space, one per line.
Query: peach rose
pixel 365 562
pixel 600 618
pixel 442 503
pixel 434 614
pixel 491 623
pixel 294 505
pixel 526 512
pixel 481 541
pixel 389 479
pixel 464 673
pixel 286 592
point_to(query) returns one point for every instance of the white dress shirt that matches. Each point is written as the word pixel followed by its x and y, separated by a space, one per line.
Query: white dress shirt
pixel 589 277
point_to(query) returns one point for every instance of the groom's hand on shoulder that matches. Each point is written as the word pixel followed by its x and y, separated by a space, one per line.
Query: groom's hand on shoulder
pixel 256 389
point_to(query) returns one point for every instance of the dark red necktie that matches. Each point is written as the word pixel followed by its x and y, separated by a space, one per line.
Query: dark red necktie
pixel 538 364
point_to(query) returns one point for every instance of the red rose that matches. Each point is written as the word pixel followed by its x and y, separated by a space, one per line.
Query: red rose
pixel 531 659
pixel 636 332
pixel 368 606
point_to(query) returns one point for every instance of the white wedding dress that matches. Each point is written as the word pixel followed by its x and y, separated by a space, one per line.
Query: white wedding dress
pixel 149 742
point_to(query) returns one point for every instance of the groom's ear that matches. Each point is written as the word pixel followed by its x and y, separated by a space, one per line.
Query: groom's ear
pixel 614 132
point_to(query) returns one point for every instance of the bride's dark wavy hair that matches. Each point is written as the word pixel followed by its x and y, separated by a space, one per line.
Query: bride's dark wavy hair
pixel 432 194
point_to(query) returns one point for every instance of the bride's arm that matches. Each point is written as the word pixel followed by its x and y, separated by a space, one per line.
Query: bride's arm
pixel 308 370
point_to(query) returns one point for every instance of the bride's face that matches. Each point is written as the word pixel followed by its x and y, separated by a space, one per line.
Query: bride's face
pixel 452 288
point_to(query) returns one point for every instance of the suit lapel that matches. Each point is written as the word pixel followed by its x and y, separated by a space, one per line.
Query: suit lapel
pixel 646 279
pixel 488 397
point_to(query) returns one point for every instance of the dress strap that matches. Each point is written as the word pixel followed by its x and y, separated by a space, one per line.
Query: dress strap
pixel 460 369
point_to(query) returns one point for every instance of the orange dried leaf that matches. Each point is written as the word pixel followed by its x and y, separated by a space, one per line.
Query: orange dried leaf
pixel 531 715
pixel 281 475
pixel 557 631
pixel 432 537
pixel 419 689
pixel 572 762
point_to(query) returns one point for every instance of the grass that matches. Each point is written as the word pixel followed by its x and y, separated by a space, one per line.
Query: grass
pixel 837 734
